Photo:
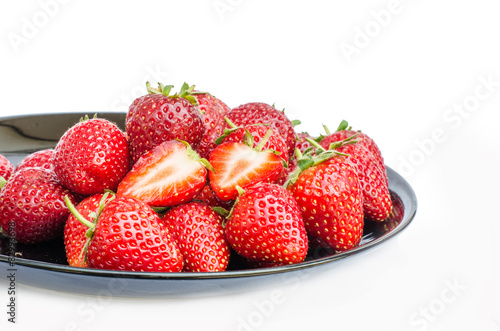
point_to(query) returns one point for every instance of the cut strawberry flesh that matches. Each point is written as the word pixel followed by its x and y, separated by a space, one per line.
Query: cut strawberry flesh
pixel 237 164
pixel 166 176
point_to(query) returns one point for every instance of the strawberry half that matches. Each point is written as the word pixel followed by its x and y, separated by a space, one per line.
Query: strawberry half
pixel 266 226
pixel 169 174
pixel 198 232
pixel 237 164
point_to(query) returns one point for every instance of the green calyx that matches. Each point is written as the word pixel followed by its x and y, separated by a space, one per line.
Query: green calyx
pixel 91 225
pixel 307 160
pixel 3 181
pixel 186 92
pixel 193 155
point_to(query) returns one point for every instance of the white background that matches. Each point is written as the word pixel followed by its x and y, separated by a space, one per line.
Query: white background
pixel 421 77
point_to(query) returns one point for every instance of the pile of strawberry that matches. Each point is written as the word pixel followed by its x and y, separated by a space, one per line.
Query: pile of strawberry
pixel 192 182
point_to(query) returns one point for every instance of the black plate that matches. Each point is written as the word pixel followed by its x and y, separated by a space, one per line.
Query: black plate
pixel 44 265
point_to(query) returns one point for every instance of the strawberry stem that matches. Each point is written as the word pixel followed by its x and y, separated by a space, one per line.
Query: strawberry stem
pixel 77 214
pixel 264 140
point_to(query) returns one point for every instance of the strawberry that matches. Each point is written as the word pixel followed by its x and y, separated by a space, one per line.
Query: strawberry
pixel 212 112
pixel 159 116
pixel 344 131
pixel 395 217
pixel 91 156
pixel 6 169
pixel 302 144
pixel 377 203
pixel 266 226
pixel 328 192
pixel 367 160
pixel 207 196
pixel 198 231
pixel 33 201
pixel 169 174
pixel 41 159
pixel 237 164
pixel 255 133
pixel 261 113
pixel 75 239
pixel 130 236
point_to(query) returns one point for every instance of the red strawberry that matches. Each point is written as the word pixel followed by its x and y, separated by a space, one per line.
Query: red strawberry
pixel 42 159
pixel 198 231
pixel 169 174
pixel 130 236
pixel 208 197
pixel 261 113
pixel 212 112
pixel 369 166
pixel 33 202
pixel 255 133
pixel 158 117
pixel 377 203
pixel 265 225
pixel 6 168
pixel 75 239
pixel 237 164
pixel 395 217
pixel 344 131
pixel 329 195
pixel 302 144
pixel 92 156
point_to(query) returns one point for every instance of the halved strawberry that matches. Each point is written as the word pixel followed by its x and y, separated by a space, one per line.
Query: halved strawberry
pixel 237 164
pixel 169 174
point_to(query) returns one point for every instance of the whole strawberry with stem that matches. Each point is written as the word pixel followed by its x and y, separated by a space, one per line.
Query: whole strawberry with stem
pixel 32 208
pixel 329 195
pixel 130 236
pixel 169 174
pixel 345 131
pixel 262 113
pixel 239 164
pixel 159 116
pixel 266 226
pixel 75 232
pixel 92 156
pixel 6 169
pixel 42 158
pixel 199 234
